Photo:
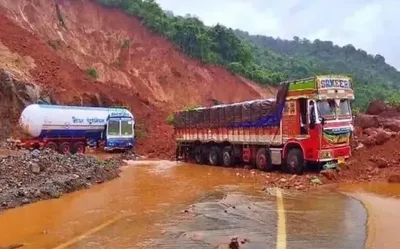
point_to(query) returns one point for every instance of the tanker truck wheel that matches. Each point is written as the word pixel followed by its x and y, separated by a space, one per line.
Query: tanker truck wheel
pixel 65 148
pixel 79 148
pixel 52 146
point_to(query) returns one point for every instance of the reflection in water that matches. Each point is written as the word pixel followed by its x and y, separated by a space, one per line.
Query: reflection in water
pixel 127 212
pixel 323 220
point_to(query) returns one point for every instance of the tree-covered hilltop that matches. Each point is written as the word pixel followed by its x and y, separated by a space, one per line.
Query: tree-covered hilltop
pixel 216 45
pixel 374 78
pixel 264 59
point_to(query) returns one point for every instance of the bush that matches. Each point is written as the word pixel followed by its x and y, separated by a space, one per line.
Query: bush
pixel 93 72
pixel 170 119
pixel 140 131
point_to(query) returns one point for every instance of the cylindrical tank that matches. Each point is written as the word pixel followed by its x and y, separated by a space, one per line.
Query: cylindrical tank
pixel 54 120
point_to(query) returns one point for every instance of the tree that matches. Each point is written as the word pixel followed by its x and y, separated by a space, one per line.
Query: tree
pixel 264 59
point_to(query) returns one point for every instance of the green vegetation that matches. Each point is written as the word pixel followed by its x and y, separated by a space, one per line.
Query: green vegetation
pixel 373 78
pixel 217 102
pixel 93 72
pixel 141 131
pixel 171 117
pixel 216 45
pixel 264 59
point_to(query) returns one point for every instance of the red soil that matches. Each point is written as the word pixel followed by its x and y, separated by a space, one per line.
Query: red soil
pixel 151 76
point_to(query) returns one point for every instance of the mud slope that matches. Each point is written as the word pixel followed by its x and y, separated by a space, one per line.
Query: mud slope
pixel 53 43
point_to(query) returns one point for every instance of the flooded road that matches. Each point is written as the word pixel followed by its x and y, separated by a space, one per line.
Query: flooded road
pixel 382 201
pixel 162 204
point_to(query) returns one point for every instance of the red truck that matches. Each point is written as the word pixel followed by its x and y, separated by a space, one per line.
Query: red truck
pixel 310 121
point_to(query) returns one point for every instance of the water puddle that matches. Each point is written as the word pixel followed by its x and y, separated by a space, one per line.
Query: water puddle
pixel 320 220
pixel 382 201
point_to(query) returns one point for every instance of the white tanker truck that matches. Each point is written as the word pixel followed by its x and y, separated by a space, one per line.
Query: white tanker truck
pixel 70 129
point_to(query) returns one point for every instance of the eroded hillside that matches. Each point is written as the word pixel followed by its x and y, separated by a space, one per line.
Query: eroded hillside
pixel 51 45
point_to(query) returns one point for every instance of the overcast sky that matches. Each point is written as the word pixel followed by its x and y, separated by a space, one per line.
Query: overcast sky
pixel 372 25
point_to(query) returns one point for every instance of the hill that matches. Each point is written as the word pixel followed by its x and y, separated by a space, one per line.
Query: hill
pixel 374 78
pixel 267 60
pixel 81 53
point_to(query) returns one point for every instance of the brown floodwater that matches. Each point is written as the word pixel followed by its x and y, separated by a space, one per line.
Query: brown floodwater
pixel 382 202
pixel 144 208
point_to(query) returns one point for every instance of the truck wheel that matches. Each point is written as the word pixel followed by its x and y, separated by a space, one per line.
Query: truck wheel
pixel 295 161
pixel 263 160
pixel 65 148
pixel 79 148
pixel 52 146
pixel 228 159
pixel 198 155
pixel 214 156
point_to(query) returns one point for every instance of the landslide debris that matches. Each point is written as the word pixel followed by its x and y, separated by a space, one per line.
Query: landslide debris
pixel 39 175
pixel 375 156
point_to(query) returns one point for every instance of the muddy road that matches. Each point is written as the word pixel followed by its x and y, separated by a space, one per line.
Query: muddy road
pixel 163 204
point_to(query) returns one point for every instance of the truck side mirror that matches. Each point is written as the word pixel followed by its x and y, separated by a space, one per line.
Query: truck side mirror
pixel 322 121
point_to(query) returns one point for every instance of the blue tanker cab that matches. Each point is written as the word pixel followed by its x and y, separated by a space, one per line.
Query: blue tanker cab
pixel 119 131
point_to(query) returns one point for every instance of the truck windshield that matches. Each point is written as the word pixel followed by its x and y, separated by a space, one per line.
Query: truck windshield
pixel 326 108
pixel 344 107
pixel 113 127
pixel 126 127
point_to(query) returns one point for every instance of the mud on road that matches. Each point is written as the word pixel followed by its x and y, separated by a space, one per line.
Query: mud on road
pixel 161 204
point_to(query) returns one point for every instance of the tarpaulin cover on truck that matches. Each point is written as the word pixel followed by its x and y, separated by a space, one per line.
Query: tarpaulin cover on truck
pixel 255 113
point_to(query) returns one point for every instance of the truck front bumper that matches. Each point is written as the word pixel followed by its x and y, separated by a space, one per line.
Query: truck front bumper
pixel 334 154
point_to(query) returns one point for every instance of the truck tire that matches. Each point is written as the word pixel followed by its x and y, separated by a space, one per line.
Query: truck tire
pixel 198 155
pixel 228 159
pixel 295 162
pixel 52 146
pixel 65 148
pixel 263 160
pixel 78 147
pixel 214 156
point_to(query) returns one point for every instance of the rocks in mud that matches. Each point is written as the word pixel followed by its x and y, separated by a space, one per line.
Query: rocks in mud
pixel 12 143
pixel 378 125
pixel 391 124
pixel 234 243
pixel 329 174
pixel 380 162
pixel 394 178
pixel 376 107
pixel 366 121
pixel 37 175
pixel 375 136
pixel 126 156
